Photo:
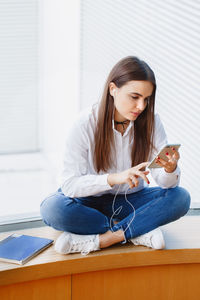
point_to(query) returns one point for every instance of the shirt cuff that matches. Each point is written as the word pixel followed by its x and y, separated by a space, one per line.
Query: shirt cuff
pixel 170 179
pixel 175 172
pixel 105 181
pixel 164 179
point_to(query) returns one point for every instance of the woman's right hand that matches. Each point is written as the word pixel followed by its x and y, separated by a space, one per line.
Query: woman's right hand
pixel 129 176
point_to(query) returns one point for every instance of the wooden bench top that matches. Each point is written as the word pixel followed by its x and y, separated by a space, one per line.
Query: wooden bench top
pixel 182 246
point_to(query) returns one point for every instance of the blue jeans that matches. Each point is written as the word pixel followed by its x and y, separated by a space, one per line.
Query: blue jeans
pixel 154 206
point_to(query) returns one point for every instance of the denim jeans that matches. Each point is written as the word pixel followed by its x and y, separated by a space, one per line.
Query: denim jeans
pixel 154 206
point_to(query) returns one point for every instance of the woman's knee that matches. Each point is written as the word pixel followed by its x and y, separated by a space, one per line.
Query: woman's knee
pixel 53 207
pixel 181 198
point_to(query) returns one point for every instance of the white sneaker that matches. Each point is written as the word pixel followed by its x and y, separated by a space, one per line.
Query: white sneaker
pixel 153 239
pixel 69 242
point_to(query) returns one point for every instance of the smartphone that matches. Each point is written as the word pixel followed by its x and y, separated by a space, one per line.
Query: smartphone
pixel 162 154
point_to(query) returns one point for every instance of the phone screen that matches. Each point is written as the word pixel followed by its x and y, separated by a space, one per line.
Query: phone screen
pixel 162 154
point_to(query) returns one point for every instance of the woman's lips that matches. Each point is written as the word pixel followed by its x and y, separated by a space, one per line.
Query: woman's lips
pixel 135 114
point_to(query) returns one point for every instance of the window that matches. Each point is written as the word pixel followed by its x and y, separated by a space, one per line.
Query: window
pixel 39 55
pixel 19 79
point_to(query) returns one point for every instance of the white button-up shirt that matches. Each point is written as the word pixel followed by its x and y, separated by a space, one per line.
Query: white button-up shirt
pixel 79 178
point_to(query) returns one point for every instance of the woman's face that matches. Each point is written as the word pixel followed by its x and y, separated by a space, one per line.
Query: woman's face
pixel 131 99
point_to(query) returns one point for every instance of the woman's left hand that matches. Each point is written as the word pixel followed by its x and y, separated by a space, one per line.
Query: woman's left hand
pixel 171 163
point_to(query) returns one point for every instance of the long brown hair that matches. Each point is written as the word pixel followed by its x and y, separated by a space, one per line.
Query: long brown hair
pixel 127 69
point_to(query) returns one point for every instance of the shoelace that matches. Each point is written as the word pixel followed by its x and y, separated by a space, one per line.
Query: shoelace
pixel 83 246
pixel 146 240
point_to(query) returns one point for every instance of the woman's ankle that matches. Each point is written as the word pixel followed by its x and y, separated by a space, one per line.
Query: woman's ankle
pixel 109 238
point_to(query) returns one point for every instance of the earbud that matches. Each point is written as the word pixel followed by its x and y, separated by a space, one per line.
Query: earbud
pixel 114 91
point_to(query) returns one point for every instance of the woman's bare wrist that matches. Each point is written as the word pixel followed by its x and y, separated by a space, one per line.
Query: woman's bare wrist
pixel 111 179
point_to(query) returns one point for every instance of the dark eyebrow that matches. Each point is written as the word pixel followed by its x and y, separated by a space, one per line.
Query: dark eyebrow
pixel 140 94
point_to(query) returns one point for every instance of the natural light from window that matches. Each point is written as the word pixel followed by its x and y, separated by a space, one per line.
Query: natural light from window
pixel 55 56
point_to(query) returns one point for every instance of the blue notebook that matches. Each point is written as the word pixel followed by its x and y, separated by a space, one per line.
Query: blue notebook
pixel 19 248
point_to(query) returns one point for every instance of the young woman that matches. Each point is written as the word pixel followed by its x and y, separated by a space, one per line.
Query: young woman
pixel 107 151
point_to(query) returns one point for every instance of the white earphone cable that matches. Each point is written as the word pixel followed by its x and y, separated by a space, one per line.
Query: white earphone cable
pixel 113 203
pixel 117 211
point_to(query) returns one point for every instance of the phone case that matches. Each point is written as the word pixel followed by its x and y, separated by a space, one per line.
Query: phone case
pixel 162 154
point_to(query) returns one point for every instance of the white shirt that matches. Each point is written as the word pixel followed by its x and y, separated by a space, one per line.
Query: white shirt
pixel 79 178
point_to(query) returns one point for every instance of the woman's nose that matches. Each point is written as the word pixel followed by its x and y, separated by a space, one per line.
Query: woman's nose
pixel 141 105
